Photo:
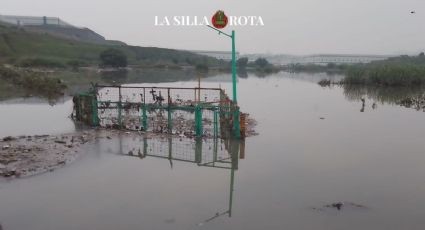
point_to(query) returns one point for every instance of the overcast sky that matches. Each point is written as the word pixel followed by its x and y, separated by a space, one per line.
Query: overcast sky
pixel 291 26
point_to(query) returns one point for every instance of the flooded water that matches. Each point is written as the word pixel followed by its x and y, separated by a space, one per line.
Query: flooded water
pixel 31 116
pixel 317 146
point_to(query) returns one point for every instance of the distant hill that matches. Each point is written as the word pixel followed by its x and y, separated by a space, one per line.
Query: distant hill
pixel 21 42
pixel 72 33
pixel 56 27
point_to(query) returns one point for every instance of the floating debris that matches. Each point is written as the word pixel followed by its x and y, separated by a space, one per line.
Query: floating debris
pixel 325 82
pixel 340 206
pixel 336 205
pixel 417 102
pixel 29 155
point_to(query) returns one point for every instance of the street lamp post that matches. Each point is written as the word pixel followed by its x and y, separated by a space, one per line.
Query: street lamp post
pixel 232 36
pixel 234 67
pixel 236 125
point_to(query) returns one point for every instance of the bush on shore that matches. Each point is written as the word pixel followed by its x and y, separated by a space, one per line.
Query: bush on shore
pixel 396 71
pixel 386 74
pixel 34 83
pixel 113 58
pixel 41 62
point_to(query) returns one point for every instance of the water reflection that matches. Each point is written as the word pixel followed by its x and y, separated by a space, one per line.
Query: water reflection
pixel 410 97
pixel 304 162
pixel 242 73
pixel 216 153
pixel 118 76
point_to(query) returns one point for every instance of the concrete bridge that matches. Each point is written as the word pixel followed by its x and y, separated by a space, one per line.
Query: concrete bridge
pixel 341 59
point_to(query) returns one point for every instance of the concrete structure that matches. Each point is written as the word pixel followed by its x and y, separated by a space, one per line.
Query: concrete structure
pixel 223 55
pixel 33 21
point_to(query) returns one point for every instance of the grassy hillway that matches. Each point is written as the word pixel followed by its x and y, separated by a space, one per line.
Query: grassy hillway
pixel 19 46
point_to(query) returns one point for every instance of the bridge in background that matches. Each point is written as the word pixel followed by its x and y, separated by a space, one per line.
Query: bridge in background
pixel 340 59
pixel 319 59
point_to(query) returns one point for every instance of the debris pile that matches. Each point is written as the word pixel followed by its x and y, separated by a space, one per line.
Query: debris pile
pixel 183 124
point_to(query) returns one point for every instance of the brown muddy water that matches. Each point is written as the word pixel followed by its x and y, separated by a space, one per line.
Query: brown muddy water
pixel 317 146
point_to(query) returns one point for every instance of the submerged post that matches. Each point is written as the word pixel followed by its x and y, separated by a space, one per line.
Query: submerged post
pixel 95 118
pixel 170 121
pixel 145 145
pixel 236 123
pixel 119 107
pixel 198 151
pixel 170 151
pixel 215 124
pixel 198 121
pixel 144 118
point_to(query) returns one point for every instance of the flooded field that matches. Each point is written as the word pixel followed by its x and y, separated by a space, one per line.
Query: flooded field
pixel 317 147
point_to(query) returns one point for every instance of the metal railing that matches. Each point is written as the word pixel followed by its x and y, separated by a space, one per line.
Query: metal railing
pixel 189 112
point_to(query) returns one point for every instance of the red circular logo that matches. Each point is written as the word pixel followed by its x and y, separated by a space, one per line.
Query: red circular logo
pixel 219 20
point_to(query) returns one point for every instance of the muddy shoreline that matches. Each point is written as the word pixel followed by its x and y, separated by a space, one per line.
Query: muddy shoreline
pixel 30 155
pixel 25 156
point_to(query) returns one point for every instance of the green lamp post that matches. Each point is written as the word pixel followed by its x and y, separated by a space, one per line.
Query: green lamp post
pixel 236 125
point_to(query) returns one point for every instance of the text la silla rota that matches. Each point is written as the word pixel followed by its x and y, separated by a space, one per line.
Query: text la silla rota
pixel 203 21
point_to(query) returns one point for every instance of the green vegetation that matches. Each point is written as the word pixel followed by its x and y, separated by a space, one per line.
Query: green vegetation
pixel 262 66
pixel 41 62
pixel 113 58
pixel 312 68
pixel 398 71
pixel 242 63
pixel 261 62
pixel 201 68
pixel 18 45
pixel 75 64
pixel 32 83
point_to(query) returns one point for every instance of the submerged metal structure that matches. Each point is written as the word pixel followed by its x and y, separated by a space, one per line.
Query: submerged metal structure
pixel 189 112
